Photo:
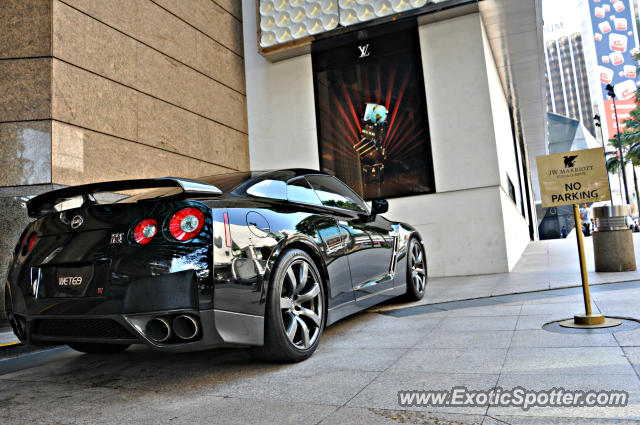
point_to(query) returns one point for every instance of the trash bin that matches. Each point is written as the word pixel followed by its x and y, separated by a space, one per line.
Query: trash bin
pixel 613 240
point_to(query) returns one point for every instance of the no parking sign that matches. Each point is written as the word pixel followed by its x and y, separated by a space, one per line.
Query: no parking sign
pixel 573 178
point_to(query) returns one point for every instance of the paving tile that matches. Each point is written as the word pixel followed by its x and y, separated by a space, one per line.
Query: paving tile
pixel 583 382
pixel 567 361
pixel 628 339
pixel 490 421
pixel 453 360
pixel 382 393
pixel 362 416
pixel 616 294
pixel 33 402
pixel 319 386
pixel 377 338
pixel 534 321
pixel 543 338
pixel 538 420
pixel 394 323
pixel 560 310
pixel 111 406
pixel 488 323
pixel 633 354
pixel 624 308
pixel 231 410
pixel 349 358
pixel 518 287
pixel 492 310
pixel 467 339
pixel 549 298
pixel 142 368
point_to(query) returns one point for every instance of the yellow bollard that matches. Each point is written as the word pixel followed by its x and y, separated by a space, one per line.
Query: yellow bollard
pixel 588 318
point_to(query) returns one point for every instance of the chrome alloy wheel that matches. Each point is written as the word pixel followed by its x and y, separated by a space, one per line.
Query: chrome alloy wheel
pixel 416 266
pixel 301 304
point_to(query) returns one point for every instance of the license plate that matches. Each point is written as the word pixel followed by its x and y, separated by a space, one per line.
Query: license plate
pixel 65 281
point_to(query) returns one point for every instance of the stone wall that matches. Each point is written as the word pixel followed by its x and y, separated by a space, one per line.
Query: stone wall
pixel 159 82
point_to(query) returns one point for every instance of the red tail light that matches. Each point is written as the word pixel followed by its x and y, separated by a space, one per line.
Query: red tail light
pixel 32 240
pixel 145 230
pixel 186 223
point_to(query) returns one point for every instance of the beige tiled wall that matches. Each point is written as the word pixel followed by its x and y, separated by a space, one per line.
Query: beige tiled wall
pixel 25 28
pixel 158 78
pixel 25 92
pixel 78 155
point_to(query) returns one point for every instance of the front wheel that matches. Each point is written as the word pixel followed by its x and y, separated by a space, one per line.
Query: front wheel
pixel 416 270
pixel 294 317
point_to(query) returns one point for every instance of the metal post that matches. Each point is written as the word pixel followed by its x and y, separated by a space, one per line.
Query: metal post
pixel 596 118
pixel 583 263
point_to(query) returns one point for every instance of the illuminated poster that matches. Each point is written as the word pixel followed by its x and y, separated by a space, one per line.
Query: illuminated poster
pixel 371 113
pixel 615 37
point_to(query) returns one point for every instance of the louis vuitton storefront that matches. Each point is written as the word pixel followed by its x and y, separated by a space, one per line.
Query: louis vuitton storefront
pixel 406 102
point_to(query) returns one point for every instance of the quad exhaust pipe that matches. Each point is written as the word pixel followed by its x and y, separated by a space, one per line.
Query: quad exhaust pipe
pixel 161 329
pixel 185 327
pixel 158 329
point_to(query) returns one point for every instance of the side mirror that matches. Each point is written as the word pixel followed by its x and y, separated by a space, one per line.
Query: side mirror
pixel 379 206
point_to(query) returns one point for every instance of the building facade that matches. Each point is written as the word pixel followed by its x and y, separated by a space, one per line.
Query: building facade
pixel 471 199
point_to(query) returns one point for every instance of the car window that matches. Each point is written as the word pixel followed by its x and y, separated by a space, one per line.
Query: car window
pixel 333 193
pixel 299 190
pixel 274 189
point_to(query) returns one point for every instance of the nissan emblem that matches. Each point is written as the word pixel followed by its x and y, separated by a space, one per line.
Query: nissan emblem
pixel 76 221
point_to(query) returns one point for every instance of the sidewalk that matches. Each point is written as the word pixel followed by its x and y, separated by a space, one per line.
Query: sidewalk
pixel 544 265
pixel 364 360
pixel 354 377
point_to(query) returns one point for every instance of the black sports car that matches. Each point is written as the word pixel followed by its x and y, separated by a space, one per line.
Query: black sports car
pixel 261 259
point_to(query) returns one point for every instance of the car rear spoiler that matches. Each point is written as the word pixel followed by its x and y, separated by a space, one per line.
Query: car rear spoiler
pixel 45 203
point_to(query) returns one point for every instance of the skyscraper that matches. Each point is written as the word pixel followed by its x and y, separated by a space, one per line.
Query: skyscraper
pixel 582 83
pixel 567 81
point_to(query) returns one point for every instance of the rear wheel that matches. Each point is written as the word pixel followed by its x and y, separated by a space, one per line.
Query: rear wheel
pixel 97 348
pixel 18 326
pixel 294 317
pixel 416 270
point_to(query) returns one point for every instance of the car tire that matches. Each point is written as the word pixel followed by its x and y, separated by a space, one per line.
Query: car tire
pixel 416 270
pixel 295 315
pixel 97 348
pixel 17 326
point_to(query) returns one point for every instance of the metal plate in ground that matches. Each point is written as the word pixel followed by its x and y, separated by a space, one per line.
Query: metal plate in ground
pixel 608 323
pixel 628 324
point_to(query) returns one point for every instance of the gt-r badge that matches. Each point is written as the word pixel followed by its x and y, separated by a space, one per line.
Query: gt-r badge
pixel 117 237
